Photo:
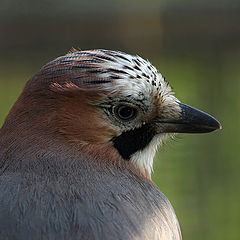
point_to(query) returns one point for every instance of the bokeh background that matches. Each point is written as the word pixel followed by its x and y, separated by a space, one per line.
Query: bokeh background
pixel 195 45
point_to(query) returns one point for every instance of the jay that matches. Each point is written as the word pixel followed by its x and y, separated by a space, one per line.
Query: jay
pixel 77 149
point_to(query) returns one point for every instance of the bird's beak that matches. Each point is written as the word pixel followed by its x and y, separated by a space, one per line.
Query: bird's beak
pixel 191 120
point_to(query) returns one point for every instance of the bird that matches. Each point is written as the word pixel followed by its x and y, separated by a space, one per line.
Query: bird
pixel 77 149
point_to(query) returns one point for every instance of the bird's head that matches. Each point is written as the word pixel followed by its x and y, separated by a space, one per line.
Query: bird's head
pixel 109 104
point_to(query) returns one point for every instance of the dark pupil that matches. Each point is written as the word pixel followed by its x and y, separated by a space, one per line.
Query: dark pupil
pixel 125 112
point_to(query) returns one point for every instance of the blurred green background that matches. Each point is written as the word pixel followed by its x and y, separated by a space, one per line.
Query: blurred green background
pixel 194 44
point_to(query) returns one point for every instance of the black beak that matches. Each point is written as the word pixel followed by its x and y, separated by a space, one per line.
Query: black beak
pixel 191 120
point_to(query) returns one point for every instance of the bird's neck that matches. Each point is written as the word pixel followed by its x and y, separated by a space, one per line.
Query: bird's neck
pixel 24 148
pixel 33 136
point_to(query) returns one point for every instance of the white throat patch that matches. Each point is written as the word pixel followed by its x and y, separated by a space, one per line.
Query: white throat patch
pixel 143 159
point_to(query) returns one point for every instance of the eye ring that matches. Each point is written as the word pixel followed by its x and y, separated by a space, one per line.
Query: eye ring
pixel 125 112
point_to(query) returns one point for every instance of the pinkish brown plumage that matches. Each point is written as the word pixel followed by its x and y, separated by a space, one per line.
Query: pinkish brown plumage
pixel 77 148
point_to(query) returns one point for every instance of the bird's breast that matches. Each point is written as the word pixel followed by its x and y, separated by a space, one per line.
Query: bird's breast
pixel 84 202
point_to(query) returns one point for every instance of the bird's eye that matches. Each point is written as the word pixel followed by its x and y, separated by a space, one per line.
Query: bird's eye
pixel 125 112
